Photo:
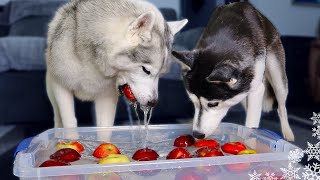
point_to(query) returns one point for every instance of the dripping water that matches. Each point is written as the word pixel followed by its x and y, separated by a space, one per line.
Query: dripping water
pixel 147 113
pixel 129 111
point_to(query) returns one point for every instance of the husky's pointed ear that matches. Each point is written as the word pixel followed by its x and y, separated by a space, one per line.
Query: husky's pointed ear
pixel 186 57
pixel 176 26
pixel 224 74
pixel 140 29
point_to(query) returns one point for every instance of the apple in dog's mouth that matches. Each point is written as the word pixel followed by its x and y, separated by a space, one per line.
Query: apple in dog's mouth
pixel 126 91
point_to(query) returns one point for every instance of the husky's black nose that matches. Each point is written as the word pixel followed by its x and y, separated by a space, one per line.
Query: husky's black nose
pixel 152 103
pixel 198 135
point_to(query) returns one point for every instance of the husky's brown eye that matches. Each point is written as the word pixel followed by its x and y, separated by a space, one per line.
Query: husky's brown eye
pixel 145 70
pixel 211 105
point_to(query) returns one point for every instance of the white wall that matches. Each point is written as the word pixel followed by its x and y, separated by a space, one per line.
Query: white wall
pixel 175 4
pixel 290 19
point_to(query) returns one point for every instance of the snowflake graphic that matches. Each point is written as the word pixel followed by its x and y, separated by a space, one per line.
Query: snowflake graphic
pixel 295 156
pixel 290 173
pixel 313 151
pixel 312 172
pixel 255 176
pixel 270 176
pixel 316 118
pixel 316 132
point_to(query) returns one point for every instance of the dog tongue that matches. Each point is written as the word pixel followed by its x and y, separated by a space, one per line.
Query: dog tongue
pixel 128 93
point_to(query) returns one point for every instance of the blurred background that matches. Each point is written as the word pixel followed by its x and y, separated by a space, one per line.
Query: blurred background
pixel 25 110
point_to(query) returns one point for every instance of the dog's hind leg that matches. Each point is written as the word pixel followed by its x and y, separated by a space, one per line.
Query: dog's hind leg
pixel 276 75
pixel 269 97
pixel 105 111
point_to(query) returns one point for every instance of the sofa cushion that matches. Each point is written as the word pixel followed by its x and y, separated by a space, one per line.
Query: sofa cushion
pixel 28 53
pixel 4 14
pixel 22 53
pixel 24 100
pixel 30 26
pixel 20 9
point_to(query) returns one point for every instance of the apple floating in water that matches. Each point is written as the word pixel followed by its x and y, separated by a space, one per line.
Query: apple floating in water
pixel 179 153
pixel 206 143
pixel 247 151
pixel 145 154
pixel 114 159
pixel 66 155
pixel 105 150
pixel 184 141
pixel 208 152
pixel 233 147
pixel 53 163
pixel 73 145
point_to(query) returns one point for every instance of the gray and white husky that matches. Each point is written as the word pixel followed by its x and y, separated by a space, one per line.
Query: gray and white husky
pixel 96 46
pixel 239 58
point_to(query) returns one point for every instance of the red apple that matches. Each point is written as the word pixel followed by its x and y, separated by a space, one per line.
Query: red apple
pixel 233 147
pixel 208 152
pixel 51 163
pixel 73 145
pixel 105 150
pixel 66 155
pixel 238 168
pixel 206 143
pixel 108 176
pixel 145 155
pixel 188 174
pixel 128 93
pixel 209 170
pixel 184 141
pixel 179 153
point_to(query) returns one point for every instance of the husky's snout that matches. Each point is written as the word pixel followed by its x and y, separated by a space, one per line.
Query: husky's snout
pixel 206 121
pixel 198 135
pixel 153 103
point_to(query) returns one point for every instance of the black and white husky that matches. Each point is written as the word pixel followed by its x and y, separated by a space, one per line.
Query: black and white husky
pixel 239 58
pixel 96 46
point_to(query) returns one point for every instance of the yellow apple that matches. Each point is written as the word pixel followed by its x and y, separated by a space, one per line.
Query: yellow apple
pixel 247 151
pixel 114 158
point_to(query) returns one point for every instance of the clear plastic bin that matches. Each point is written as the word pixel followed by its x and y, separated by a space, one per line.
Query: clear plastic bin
pixel 272 155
